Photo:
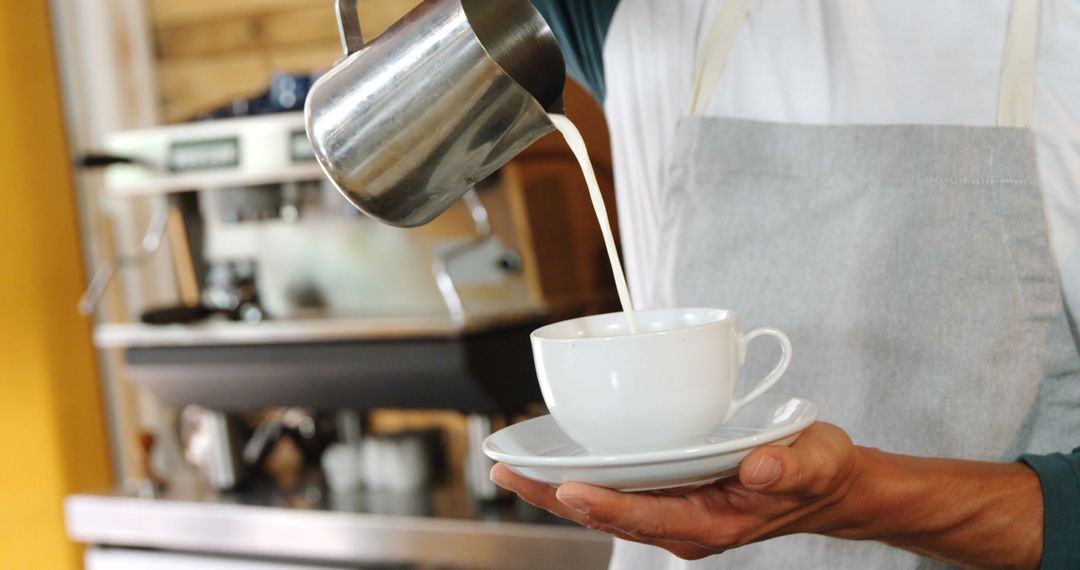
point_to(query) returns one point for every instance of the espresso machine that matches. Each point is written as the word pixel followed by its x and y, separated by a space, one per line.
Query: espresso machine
pixel 274 278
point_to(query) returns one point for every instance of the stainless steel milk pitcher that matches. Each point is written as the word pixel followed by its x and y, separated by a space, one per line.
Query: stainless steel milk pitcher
pixel 409 122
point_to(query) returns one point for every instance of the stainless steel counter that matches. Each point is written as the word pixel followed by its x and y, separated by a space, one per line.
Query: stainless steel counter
pixel 215 333
pixel 441 528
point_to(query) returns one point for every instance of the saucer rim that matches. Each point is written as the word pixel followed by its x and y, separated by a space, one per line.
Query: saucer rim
pixel 658 456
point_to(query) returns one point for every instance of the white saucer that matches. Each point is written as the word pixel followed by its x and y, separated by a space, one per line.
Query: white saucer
pixel 539 450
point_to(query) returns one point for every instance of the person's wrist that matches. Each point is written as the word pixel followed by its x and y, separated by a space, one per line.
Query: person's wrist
pixel 858 512
pixel 947 509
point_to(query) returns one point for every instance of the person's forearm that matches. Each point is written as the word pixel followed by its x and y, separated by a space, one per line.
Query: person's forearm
pixel 969 513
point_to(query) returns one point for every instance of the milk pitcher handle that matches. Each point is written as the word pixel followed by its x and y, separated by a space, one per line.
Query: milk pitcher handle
pixel 348 21
pixel 772 377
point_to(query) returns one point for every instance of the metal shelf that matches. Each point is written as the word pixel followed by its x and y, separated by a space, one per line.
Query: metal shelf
pixel 483 365
pixel 440 527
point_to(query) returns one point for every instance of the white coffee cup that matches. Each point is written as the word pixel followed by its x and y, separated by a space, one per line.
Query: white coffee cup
pixel 667 386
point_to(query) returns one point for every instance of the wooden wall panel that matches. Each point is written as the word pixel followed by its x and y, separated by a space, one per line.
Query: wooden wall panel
pixel 377 15
pixel 275 29
pixel 312 25
pixel 305 59
pixel 192 12
pixel 190 87
pixel 178 42
pixel 212 52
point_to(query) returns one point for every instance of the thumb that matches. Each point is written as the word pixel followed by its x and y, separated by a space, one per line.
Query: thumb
pixel 818 463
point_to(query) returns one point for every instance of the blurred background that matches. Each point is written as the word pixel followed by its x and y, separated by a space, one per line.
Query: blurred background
pixel 210 359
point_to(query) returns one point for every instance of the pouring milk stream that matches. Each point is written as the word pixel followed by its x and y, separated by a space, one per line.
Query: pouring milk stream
pixel 577 145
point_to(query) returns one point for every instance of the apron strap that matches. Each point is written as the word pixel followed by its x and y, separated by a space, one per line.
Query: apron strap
pixel 714 54
pixel 1016 90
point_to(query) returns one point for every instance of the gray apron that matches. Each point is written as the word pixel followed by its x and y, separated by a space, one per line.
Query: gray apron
pixel 910 265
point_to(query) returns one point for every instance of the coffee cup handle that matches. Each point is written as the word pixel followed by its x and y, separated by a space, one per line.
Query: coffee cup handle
pixel 772 377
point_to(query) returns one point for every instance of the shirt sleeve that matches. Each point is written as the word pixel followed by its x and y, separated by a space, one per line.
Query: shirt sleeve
pixel 1059 475
pixel 580 28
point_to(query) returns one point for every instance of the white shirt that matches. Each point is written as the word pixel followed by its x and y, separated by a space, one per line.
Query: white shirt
pixel 836 62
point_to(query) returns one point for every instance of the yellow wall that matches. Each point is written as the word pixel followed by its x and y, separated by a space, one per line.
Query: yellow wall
pixel 52 434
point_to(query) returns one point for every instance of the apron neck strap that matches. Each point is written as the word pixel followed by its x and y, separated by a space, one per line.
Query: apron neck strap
pixel 1016 90
pixel 714 54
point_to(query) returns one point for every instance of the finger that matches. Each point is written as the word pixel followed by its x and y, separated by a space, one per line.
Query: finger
pixel 537 494
pixel 542 495
pixel 817 464
pixel 641 515
pixel 682 549
pixel 748 504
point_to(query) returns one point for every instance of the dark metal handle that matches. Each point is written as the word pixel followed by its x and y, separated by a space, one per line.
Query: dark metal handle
pixel 348 16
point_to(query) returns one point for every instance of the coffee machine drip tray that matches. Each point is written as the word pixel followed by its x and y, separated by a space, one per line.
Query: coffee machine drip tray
pixel 484 365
